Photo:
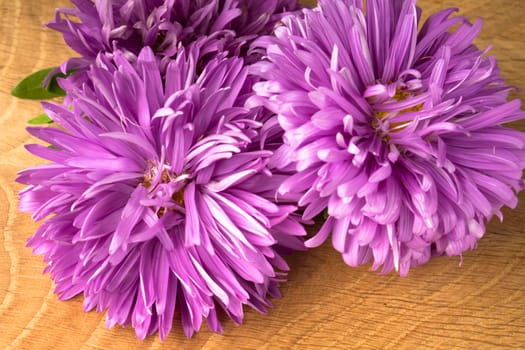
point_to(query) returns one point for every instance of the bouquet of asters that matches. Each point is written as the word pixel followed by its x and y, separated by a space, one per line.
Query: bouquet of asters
pixel 194 140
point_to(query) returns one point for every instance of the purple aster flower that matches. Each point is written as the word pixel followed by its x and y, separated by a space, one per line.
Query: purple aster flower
pixel 398 134
pixel 158 195
pixel 164 25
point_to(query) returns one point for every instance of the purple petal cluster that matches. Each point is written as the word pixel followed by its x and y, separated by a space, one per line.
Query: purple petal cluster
pixel 178 164
pixel 158 195
pixel 164 25
pixel 397 133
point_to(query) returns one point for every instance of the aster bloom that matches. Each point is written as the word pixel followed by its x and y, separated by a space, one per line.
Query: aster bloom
pixel 157 196
pixel 164 25
pixel 399 135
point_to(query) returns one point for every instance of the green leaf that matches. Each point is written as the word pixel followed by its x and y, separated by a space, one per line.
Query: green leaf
pixel 41 119
pixel 32 87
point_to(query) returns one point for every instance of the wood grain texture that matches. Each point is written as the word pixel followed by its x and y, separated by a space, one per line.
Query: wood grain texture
pixel 326 304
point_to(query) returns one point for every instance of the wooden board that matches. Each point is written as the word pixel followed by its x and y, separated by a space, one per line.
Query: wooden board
pixel 326 304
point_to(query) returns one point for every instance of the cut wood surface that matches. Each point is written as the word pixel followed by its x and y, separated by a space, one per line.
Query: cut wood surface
pixel 325 304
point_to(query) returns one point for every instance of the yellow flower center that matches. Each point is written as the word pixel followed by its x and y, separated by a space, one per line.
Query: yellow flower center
pixel 165 177
pixel 400 95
